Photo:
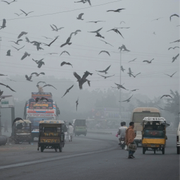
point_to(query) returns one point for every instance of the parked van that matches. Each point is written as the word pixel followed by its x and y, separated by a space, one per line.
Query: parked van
pixel 80 127
pixel 178 139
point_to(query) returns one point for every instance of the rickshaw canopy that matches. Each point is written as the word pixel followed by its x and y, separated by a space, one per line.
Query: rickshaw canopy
pixel 51 122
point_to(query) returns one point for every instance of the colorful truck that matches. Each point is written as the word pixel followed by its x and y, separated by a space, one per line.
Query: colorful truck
pixel 40 107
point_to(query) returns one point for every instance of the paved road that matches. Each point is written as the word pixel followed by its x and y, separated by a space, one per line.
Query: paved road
pixel 93 157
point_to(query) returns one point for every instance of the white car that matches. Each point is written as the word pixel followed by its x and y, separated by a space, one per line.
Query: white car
pixel 178 139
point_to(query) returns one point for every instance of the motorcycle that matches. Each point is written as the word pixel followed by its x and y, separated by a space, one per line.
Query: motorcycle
pixel 122 142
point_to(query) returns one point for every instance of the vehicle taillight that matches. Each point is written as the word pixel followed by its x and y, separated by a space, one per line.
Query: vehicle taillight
pixel 177 138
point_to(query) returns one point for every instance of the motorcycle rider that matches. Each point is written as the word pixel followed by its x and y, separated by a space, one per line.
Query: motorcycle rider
pixel 122 131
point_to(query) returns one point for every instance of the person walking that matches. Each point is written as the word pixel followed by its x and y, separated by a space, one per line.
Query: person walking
pixel 70 132
pixel 130 135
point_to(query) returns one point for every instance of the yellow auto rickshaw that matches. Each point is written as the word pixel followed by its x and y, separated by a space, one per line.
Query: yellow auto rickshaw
pixel 51 135
pixel 154 134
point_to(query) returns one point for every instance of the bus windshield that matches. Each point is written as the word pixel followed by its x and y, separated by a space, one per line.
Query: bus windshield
pixel 139 116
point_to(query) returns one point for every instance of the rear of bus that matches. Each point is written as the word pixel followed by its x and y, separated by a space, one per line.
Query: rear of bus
pixel 138 115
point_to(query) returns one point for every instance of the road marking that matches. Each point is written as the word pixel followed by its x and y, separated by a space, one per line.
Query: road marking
pixel 52 159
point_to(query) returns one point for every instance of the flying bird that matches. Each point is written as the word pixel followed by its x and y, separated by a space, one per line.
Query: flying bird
pixel 120 86
pixel 18 48
pixel 134 89
pixel 67 41
pixel 84 1
pixel 97 33
pixel 117 10
pixel 123 48
pixel 136 74
pixel 166 95
pixel 67 63
pixel 122 69
pixel 76 32
pixel 28 78
pixel 82 80
pixel 103 51
pixel 26 13
pixel 105 71
pixel 130 72
pixel 7 87
pixel 65 52
pixel 106 76
pixel 3 75
pixel 9 2
pixel 67 90
pixel 49 85
pixel 95 21
pixel 18 14
pixel 173 15
pixel 171 75
pixel 80 16
pixel 127 100
pixel 52 41
pixel 173 47
pixel 25 55
pixel 122 22
pixel 3 24
pixel 174 58
pixel 41 82
pixel 116 31
pixel 106 42
pixel 21 34
pixel 133 60
pixel 37 74
pixel 77 102
pixel 148 61
pixel 39 62
pixel 175 41
pixel 1 93
pixel 17 42
pixel 8 53
pixel 55 28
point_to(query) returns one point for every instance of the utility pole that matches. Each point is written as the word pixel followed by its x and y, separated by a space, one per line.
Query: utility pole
pixel 120 53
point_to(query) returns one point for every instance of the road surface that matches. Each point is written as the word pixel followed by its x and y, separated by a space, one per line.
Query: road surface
pixel 96 157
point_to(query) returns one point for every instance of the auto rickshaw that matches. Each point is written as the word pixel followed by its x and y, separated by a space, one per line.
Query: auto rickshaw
pixel 51 135
pixel 154 134
pixel 21 131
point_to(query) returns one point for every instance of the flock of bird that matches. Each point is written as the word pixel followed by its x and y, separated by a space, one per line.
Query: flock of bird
pixel 23 36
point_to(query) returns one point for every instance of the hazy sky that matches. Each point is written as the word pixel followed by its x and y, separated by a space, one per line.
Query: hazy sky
pixel 147 37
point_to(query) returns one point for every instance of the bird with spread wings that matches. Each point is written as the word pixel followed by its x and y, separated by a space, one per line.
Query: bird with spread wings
pixel 105 70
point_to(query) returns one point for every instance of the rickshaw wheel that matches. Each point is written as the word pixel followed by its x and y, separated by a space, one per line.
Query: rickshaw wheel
pixel 42 149
pixel 163 150
pixel 144 150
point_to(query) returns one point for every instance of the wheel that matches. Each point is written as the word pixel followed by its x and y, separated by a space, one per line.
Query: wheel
pixel 42 149
pixel 163 150
pixel 144 150
pixel 29 142
pixel 178 150
pixel 137 144
pixel 55 149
